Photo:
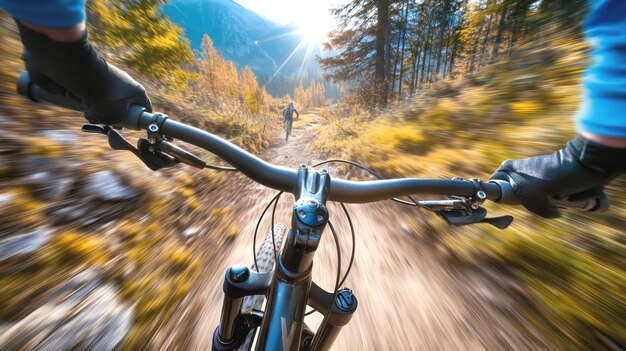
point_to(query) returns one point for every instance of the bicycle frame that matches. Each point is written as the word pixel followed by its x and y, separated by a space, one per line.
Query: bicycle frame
pixel 289 289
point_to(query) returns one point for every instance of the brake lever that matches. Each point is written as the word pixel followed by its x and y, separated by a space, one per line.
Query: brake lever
pixel 473 216
pixel 118 142
pixel 153 159
pixel 500 222
pixel 459 210
pixel 95 128
pixel 182 155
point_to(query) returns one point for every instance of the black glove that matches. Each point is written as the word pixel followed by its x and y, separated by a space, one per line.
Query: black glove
pixel 579 170
pixel 74 67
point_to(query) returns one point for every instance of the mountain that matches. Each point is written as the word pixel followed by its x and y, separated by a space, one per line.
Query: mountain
pixel 247 38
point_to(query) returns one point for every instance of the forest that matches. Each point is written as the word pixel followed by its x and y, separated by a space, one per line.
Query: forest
pixel 441 88
pixel 391 49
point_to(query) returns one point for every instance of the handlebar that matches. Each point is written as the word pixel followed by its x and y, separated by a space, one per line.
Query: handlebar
pixel 284 179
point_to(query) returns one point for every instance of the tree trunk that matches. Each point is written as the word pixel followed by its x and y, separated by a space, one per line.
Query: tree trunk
pixel 485 41
pixel 429 72
pixel 446 54
pixel 382 24
pixel 498 40
pixel 414 58
pixel 474 49
pixel 417 71
pixel 514 31
pixel 426 50
pixel 438 53
pixel 453 56
pixel 405 19
pixel 395 65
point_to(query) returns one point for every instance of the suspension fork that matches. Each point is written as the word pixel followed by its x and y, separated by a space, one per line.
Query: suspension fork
pixel 239 282
pixel 289 289
pixel 341 312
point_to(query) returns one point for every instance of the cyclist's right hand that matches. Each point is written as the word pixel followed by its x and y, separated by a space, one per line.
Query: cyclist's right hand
pixel 579 170
pixel 74 67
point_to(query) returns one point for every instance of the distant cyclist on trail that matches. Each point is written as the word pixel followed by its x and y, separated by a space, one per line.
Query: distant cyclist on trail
pixel 288 112
pixel 60 58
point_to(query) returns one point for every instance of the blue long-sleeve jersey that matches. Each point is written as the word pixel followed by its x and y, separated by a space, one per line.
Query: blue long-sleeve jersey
pixel 47 13
pixel 604 105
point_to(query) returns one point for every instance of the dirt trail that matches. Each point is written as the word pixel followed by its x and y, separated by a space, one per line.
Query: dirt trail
pixel 408 298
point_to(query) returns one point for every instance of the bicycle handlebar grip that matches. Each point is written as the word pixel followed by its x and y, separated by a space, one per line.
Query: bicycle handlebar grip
pixel 598 202
pixel 26 87
pixel 507 194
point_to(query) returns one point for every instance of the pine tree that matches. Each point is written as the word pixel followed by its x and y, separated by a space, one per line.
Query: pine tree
pixel 363 39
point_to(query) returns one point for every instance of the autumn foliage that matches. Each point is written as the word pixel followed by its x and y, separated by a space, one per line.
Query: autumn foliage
pixel 312 96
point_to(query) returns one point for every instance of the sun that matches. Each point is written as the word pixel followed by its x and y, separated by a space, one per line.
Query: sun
pixel 312 18
pixel 314 23
pixel 312 31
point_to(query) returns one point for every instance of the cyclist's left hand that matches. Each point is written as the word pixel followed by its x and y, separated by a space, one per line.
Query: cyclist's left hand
pixel 75 67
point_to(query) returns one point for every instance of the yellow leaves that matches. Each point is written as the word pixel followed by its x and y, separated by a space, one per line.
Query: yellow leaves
pixel 186 191
pixel 247 80
pixel 219 81
pixel 43 147
pixel 311 96
pixel 165 271
pixel 71 247
pixel 190 198
pixel 398 138
pixel 220 212
pixel 184 178
pixel 526 107
pixel 243 105
pixel 181 259
pixel 141 35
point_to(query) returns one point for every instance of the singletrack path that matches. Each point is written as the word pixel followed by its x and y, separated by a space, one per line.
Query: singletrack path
pixel 409 298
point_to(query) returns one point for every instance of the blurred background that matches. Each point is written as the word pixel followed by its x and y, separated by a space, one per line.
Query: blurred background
pixel 99 252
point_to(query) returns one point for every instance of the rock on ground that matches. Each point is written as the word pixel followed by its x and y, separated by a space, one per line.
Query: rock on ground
pixel 82 315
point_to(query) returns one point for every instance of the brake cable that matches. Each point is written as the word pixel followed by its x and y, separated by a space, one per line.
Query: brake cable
pixel 273 238
pixel 345 276
pixel 256 229
pixel 332 301
pixel 221 168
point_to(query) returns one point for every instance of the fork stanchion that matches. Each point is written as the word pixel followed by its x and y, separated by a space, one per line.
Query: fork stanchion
pixel 230 310
pixel 239 282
